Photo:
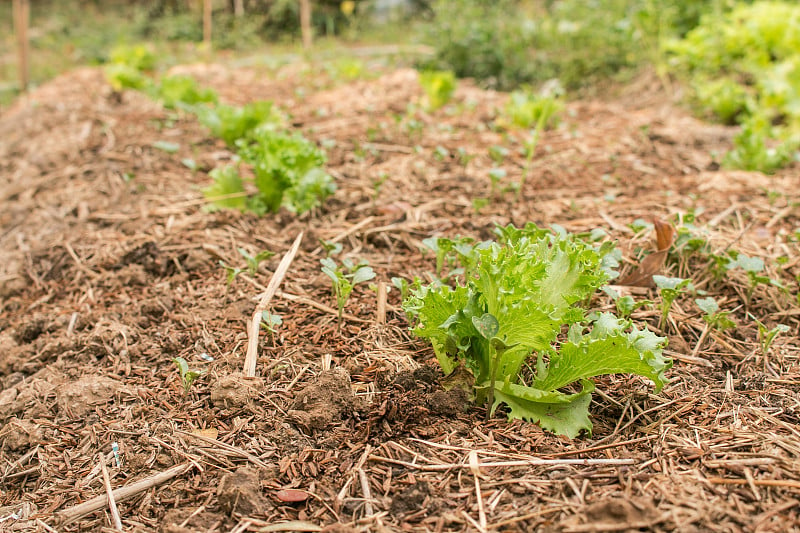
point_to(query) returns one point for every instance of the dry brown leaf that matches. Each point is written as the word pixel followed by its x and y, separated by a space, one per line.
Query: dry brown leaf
pixel 291 495
pixel 642 276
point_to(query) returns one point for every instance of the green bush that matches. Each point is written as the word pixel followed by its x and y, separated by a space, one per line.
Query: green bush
pixel 507 43
pixel 745 67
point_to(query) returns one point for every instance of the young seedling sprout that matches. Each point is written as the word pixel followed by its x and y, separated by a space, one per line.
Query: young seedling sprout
pixel 753 267
pixel 767 336
pixel 252 264
pixel 670 289
pixel 714 319
pixel 270 322
pixel 188 376
pixel 343 278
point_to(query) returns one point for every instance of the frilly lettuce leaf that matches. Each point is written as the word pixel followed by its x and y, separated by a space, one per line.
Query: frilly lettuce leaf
pixel 524 291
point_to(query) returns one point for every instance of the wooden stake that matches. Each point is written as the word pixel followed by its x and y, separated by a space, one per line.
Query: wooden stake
pixel 207 22
pixel 254 324
pixel 305 22
pixel 238 8
pixel 22 15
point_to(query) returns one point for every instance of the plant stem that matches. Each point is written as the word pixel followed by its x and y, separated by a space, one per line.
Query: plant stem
pixel 495 355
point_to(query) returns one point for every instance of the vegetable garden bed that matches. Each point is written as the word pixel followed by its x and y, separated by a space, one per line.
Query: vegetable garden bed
pixel 110 269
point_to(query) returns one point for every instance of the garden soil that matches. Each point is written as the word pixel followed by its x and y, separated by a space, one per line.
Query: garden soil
pixel 110 268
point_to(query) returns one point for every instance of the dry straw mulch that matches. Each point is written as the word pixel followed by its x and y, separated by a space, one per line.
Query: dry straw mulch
pixel 109 269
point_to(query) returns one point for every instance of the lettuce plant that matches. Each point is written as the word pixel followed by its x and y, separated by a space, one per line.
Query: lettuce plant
pixel 344 278
pixel 231 123
pixel 287 172
pixel 182 92
pixel 519 295
pixel 439 86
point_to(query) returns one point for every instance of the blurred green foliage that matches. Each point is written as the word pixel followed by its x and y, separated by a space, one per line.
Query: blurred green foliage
pixel 744 65
pixel 507 43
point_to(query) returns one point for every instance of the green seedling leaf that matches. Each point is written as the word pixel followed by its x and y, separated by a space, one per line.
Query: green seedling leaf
pixel 167 146
pixel 270 321
pixel 230 272
pixel 708 305
pixel 254 261
pixel 189 163
pixel 330 247
pixel 498 153
pixel 748 264
pixel 402 285
pixel 188 376
pixel 227 191
pixel 363 274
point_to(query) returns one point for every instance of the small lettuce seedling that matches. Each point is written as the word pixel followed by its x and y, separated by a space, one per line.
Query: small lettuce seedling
pixel 188 376
pixel 288 173
pixel 137 56
pixel 254 261
pixel 753 267
pixel 126 77
pixel 670 289
pixel 513 302
pixel 439 86
pixel 767 336
pixel 528 110
pixel 716 319
pixel 343 278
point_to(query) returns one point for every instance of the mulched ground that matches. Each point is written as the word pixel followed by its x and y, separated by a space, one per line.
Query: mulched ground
pixel 109 268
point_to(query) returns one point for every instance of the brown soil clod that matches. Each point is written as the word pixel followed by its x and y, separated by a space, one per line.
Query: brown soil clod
pixel 240 492
pixel 235 390
pixel 451 402
pixel 78 398
pixel 329 399
pixel 20 434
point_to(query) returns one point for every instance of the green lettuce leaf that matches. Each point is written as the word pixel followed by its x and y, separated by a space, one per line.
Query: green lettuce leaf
pixel 514 301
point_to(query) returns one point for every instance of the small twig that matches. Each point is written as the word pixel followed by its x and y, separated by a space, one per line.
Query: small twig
pixel 475 468
pixel 362 478
pixel 71 514
pixel 254 324
pixel 380 317
pixel 702 338
pixel 529 462
pixel 783 483
pixel 112 503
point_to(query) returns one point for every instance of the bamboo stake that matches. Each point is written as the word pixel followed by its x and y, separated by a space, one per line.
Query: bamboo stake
pixel 254 324
pixel 207 22
pixel 305 22
pixel 22 15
